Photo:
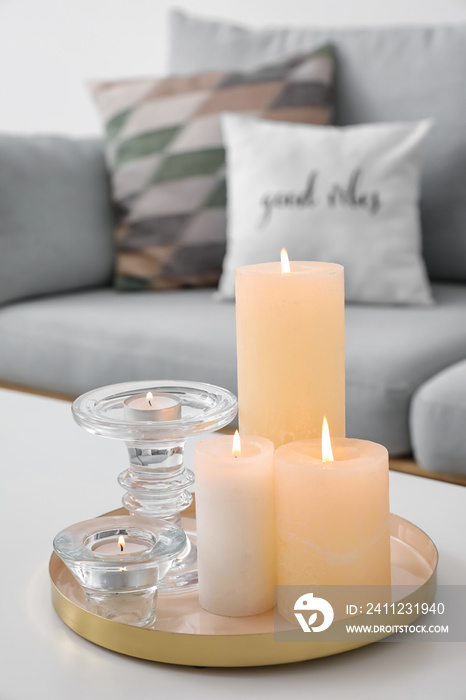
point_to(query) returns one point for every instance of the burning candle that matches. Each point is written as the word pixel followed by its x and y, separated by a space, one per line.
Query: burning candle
pixel 119 561
pixel 102 543
pixel 332 512
pixel 291 352
pixel 235 524
pixel 152 407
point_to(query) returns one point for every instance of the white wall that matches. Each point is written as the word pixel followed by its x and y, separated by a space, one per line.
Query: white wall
pixel 49 48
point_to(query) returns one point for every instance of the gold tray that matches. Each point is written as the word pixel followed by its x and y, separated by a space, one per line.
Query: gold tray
pixel 186 634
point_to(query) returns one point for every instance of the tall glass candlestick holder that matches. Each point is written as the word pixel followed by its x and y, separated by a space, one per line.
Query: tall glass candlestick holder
pixel 157 484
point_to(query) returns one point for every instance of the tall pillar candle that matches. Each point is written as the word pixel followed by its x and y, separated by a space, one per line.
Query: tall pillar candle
pixel 291 350
pixel 235 525
pixel 332 517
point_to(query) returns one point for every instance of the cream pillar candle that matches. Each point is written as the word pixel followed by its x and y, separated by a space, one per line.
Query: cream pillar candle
pixel 332 517
pixel 235 525
pixel 291 350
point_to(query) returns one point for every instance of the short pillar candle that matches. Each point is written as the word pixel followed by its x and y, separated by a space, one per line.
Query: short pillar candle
pixel 235 525
pixel 291 350
pixel 332 517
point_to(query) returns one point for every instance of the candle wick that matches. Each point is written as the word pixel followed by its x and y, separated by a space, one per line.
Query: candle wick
pixel 149 403
pixel 121 547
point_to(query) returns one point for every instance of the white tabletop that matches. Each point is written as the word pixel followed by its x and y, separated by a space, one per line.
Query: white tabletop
pixel 55 474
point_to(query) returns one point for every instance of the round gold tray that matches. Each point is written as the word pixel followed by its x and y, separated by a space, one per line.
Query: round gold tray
pixel 186 634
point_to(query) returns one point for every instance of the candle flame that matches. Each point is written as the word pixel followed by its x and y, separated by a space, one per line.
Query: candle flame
pixel 285 260
pixel 121 542
pixel 149 397
pixel 327 454
pixel 236 451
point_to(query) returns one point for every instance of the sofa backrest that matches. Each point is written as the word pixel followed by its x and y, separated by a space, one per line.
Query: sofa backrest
pixel 394 74
pixel 56 217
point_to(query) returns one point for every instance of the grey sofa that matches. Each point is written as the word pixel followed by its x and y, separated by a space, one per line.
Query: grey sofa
pixel 64 329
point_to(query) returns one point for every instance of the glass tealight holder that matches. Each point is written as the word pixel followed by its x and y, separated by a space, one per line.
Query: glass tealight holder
pixel 119 561
pixel 154 419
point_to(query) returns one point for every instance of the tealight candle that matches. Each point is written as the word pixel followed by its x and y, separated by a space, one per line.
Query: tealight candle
pixel 119 561
pixel 235 525
pixel 116 546
pixel 152 407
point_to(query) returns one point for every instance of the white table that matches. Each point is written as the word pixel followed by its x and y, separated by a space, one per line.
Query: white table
pixel 54 474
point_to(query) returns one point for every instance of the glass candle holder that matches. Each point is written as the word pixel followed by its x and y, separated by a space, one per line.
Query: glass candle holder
pixel 157 484
pixel 119 561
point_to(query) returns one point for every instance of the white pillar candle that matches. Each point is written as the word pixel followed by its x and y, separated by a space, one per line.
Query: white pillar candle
pixel 152 407
pixel 235 525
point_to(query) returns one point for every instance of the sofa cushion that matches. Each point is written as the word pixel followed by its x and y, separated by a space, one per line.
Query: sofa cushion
pixel 76 342
pixel 56 217
pixel 395 74
pixel 390 353
pixel 343 194
pixel 164 147
pixel 438 421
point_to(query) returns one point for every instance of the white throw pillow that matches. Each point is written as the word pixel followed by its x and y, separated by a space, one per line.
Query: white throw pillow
pixel 347 195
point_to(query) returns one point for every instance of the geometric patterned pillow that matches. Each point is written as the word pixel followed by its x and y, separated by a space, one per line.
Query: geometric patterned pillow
pixel 166 157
